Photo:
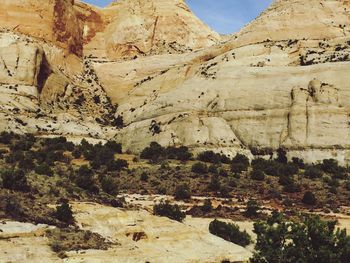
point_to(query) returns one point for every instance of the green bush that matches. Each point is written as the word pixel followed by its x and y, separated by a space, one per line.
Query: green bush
pixel 6 137
pixel 211 157
pixel 240 163
pixel 114 146
pixel 331 166
pixel 109 185
pixel 312 172
pixel 309 239
pixel 215 184
pixel 299 162
pixel 281 156
pixel 181 153
pixel 44 169
pixel 84 179
pixel 252 209
pixel 258 175
pixel 171 211
pixel 64 213
pixel 199 168
pixel 213 169
pixel 309 198
pixel 238 168
pixel 292 188
pixel 229 232
pixel 117 165
pixel 182 192
pixel 144 177
pixel 13 207
pixel 207 206
pixel 14 179
pixel 154 152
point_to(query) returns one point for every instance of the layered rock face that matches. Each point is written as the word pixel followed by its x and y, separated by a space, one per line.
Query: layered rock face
pixel 282 81
pixel 138 28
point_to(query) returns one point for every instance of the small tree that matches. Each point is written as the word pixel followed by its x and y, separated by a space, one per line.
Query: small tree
pixel 64 213
pixel 309 198
pixel 182 192
pixel 207 206
pixel 281 156
pixel 252 209
pixel 312 172
pixel 109 185
pixel 15 180
pixel 44 169
pixel 199 168
pixel 171 211
pixel 258 175
pixel 310 239
pixel 84 179
pixel 229 232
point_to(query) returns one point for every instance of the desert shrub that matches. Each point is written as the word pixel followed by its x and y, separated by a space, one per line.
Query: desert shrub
pixel 21 145
pixel 77 153
pixel 114 146
pixel 238 168
pixel 347 185
pixel 6 137
pixel 26 163
pixel 14 157
pixel 252 209
pixel 178 153
pixel 309 198
pixel 225 191
pixel 14 179
pixel 109 185
pixel 44 169
pixel 213 169
pixel 229 232
pixel 222 172
pixel 64 213
pixel 292 187
pixel 242 159
pixel 269 167
pixel 215 184
pixel 281 156
pixel 299 162
pixel 285 180
pixel 331 166
pixel 84 179
pixel 207 206
pixel 257 175
pixel 171 211
pixel 209 157
pixel 13 207
pixel 312 172
pixel 144 177
pixel 117 165
pixel 182 192
pixel 199 168
pixel 309 239
pixel 154 152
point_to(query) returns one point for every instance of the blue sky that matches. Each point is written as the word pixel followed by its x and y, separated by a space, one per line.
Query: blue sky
pixel 224 16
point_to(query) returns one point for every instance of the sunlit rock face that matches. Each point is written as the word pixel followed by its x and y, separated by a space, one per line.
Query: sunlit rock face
pixel 282 81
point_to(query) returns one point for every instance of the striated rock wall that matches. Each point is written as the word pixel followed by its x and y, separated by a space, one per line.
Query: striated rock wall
pixel 282 81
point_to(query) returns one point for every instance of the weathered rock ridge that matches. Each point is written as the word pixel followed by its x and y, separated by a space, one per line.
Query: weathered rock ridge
pixel 282 81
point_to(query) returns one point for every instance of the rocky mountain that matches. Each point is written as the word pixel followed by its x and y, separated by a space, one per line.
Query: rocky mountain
pixel 142 71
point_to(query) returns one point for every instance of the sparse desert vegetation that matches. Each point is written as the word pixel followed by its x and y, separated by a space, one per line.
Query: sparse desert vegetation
pixel 46 172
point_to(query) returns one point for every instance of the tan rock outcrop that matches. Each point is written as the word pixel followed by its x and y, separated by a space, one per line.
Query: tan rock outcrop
pixel 282 81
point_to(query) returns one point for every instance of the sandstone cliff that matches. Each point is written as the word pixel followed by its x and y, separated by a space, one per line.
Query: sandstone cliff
pixel 282 81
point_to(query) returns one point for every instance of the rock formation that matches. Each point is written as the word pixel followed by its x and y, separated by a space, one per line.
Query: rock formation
pixel 282 81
